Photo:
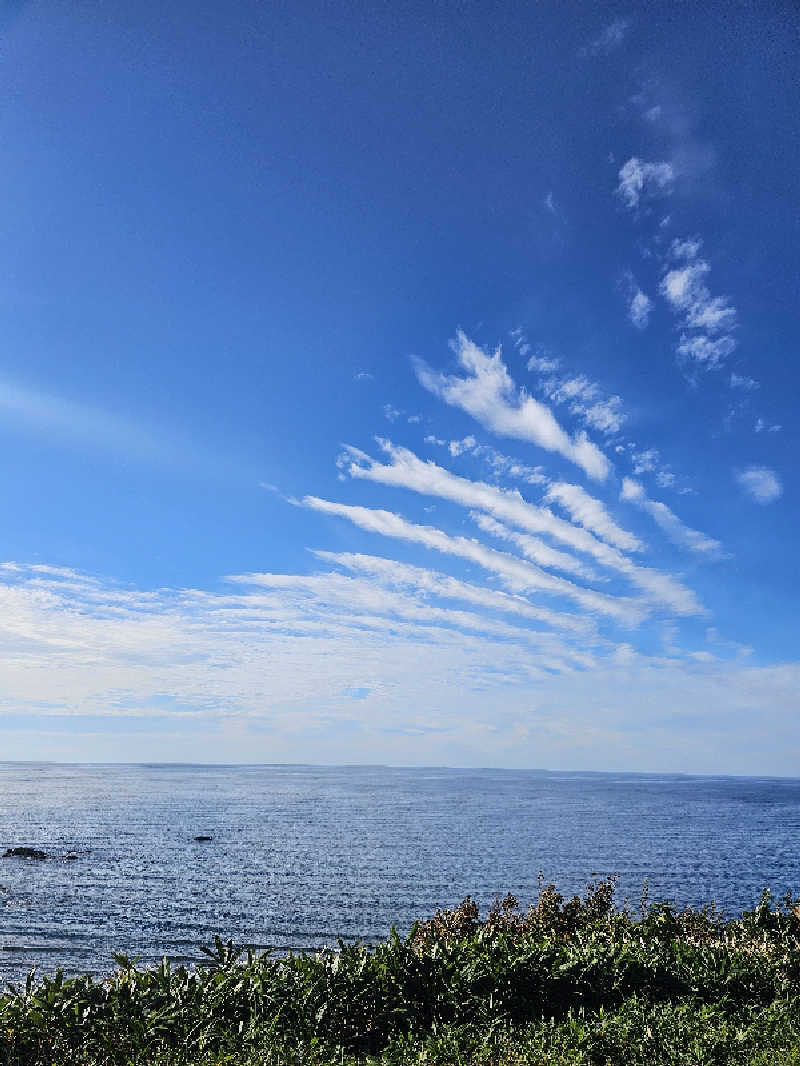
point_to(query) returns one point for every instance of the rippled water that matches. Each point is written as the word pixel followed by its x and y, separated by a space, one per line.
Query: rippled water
pixel 302 855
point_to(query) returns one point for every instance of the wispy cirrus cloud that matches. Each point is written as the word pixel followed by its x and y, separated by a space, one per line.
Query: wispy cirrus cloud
pixel 590 513
pixel 610 39
pixel 76 645
pixel 506 466
pixel 604 414
pixel 743 382
pixel 501 465
pixel 535 549
pixel 639 309
pixel 762 426
pixel 686 291
pixel 584 398
pixel 645 461
pixel 706 321
pixel 649 461
pixel 686 247
pixel 246 662
pixel 508 506
pixel 705 352
pixel 488 393
pixel 517 575
pixel 640 180
pixel 639 303
pixel 458 447
pixel 407 470
pixel 432 582
pixel 760 483
pixel 676 530
pixel 368 605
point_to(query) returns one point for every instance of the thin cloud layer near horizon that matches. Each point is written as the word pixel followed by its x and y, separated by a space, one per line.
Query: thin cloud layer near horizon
pixel 414 386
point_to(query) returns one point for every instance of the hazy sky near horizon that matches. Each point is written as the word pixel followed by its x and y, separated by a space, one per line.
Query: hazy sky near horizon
pixel 411 383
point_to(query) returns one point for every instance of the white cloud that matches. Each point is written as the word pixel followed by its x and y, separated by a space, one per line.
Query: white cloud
pixel 431 582
pixel 639 303
pixel 648 461
pixel 762 426
pixel 500 465
pixel 714 314
pixel 517 334
pixel 760 483
pixel 73 645
pixel 592 515
pixel 638 179
pixel 367 605
pixel 611 37
pixel 606 416
pixel 573 388
pixel 504 466
pixel 708 353
pixel 677 531
pixel 686 291
pixel 741 381
pixel 363 375
pixel 543 363
pixel 535 549
pixel 490 396
pixel 407 470
pixel 252 659
pixel 516 575
pixel 645 462
pixel 458 447
pixel 686 247
pixel 706 320
pixel 584 398
pixel 640 308
pixel 390 412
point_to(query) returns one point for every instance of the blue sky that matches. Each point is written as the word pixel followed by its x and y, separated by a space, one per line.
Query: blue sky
pixel 411 384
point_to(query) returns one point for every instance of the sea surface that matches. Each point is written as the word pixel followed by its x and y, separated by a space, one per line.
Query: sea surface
pixel 304 855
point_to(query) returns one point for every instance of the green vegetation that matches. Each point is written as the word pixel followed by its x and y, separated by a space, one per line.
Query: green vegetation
pixel 565 983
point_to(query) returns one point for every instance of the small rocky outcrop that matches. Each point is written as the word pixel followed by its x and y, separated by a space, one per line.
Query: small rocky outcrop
pixel 24 853
pixel 203 838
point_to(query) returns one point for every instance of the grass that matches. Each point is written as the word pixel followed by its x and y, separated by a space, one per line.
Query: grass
pixel 566 983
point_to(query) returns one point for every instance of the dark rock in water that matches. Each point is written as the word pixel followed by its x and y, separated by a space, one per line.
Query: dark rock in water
pixel 203 838
pixel 23 853
pixel 71 858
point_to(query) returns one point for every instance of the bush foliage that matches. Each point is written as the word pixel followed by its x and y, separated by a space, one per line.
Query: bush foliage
pixel 566 982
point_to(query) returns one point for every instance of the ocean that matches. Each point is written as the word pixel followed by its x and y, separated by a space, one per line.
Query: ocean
pixel 301 856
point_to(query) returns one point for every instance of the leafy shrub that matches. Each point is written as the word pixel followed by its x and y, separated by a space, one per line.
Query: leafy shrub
pixel 565 982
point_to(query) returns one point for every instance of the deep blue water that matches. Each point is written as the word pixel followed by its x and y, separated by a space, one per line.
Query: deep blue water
pixel 302 855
